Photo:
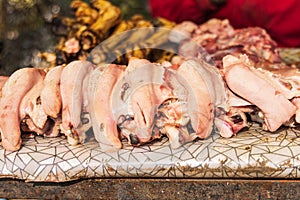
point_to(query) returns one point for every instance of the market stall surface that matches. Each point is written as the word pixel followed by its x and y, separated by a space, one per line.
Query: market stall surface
pixel 251 154
pixel 257 163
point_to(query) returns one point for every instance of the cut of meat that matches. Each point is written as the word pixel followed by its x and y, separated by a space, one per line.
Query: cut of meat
pixel 31 104
pixel 71 82
pixel 219 39
pixel 14 90
pixel 101 87
pixel 201 97
pixel 50 95
pixel 259 92
pixel 136 99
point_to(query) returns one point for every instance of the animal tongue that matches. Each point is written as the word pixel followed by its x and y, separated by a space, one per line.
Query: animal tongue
pixel 138 94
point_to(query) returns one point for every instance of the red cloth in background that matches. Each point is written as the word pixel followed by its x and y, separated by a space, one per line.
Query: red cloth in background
pixel 279 17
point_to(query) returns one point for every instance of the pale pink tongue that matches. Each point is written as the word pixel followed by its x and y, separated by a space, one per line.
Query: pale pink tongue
pixel 257 89
pixel 139 93
pixel 100 107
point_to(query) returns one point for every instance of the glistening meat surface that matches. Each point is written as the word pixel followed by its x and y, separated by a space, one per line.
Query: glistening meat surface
pixel 178 101
pixel 71 91
pixel 50 95
pixel 277 109
pixel 136 99
pixel 13 92
pixel 101 87
pixel 145 101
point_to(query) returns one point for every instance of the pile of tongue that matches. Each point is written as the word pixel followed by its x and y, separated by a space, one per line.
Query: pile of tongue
pixel 43 101
pixel 141 102
pixel 257 83
pixel 225 77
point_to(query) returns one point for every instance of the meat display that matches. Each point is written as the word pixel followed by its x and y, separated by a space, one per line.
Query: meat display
pixel 221 79
pixel 140 102
pixel 258 84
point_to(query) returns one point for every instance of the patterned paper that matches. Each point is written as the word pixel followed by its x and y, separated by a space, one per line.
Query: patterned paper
pixel 250 154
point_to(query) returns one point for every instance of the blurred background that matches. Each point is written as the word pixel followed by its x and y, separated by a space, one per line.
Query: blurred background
pixel 26 28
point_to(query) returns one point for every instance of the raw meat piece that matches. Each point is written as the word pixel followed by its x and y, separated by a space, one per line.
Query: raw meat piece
pixel 31 105
pixel 136 99
pixel 15 88
pixel 50 95
pixel 71 82
pixel 219 39
pixel 259 91
pixel 101 87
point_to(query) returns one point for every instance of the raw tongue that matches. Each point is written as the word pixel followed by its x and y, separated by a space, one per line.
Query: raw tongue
pixel 101 87
pixel 50 95
pixel 179 101
pixel 71 91
pixel 13 92
pixel 136 99
pixel 258 90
